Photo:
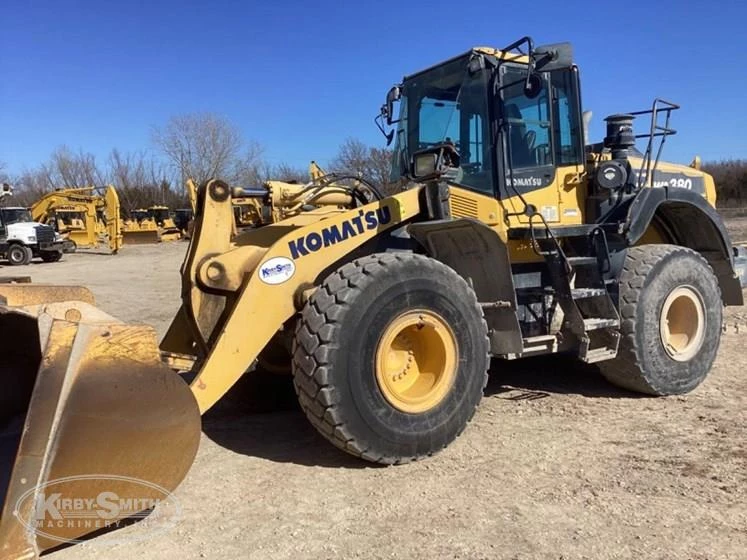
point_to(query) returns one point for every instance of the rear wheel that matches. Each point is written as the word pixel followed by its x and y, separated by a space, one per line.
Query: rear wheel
pixel 390 357
pixel 19 255
pixel 670 306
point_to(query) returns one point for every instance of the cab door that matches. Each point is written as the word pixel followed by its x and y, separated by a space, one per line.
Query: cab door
pixel 541 163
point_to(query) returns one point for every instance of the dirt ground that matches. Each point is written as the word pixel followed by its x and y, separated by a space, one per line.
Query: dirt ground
pixel 737 227
pixel 556 464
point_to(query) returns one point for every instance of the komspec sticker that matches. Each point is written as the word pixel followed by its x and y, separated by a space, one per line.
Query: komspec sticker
pixel 276 270
pixel 331 235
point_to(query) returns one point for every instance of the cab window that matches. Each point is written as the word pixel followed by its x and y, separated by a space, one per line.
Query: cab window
pixel 527 121
pixel 567 121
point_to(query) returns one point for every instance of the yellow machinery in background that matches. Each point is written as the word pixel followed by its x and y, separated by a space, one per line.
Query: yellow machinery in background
pixel 151 225
pixel 184 217
pixel 167 230
pixel 87 217
pixel 512 237
pixel 139 228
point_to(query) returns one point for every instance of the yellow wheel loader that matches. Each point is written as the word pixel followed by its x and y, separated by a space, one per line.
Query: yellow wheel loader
pixel 513 236
pixel 85 217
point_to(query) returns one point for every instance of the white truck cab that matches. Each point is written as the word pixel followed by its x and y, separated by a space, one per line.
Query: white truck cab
pixel 22 239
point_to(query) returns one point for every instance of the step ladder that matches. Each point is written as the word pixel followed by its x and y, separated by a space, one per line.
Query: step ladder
pixel 580 288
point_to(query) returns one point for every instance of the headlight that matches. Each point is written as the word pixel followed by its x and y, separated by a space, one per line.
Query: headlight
pixel 31 239
pixel 425 164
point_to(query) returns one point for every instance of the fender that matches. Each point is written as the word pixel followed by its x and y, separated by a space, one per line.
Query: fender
pixel 693 223
pixel 480 256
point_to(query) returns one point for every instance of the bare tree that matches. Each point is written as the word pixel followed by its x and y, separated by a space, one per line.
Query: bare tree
pixel 141 181
pixel 372 163
pixel 30 185
pixel 64 169
pixel 68 169
pixel 730 177
pixel 199 145
pixel 290 173
pixel 250 169
pixel 4 176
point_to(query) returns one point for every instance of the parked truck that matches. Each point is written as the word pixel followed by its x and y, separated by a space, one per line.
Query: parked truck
pixel 22 239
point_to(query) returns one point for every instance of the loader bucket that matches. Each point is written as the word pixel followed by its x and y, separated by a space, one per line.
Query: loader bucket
pixel 87 410
pixel 140 237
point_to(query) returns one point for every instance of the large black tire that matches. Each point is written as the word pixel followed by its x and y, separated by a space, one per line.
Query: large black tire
pixel 19 255
pixel 51 256
pixel 335 350
pixel 651 276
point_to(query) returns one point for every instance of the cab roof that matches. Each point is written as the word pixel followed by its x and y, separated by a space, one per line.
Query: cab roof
pixel 489 51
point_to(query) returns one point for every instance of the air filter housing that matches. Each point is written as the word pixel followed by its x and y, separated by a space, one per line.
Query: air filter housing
pixel 620 136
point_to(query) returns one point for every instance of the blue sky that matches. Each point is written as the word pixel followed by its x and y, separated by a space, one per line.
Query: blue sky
pixel 299 77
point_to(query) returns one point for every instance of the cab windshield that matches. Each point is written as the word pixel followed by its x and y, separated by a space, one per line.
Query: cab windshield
pixel 446 104
pixel 71 215
pixel 16 215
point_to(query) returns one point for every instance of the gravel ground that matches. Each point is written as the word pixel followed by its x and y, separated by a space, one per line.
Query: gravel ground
pixel 556 464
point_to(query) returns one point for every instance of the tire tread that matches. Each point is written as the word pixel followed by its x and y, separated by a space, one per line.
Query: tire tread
pixel 627 370
pixel 315 349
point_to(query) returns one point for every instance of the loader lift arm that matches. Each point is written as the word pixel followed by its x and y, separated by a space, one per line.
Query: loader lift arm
pixel 229 310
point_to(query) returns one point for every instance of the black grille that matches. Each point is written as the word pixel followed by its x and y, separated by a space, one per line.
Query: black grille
pixel 44 234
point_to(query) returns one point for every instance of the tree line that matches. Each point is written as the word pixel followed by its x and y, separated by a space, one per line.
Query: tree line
pixel 206 145
pixel 200 146
pixel 730 177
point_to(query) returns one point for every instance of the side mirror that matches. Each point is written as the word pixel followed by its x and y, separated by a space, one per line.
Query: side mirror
pixel 553 57
pixel 392 95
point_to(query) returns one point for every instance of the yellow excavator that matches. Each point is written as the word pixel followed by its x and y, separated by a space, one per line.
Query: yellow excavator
pixel 85 217
pixel 513 236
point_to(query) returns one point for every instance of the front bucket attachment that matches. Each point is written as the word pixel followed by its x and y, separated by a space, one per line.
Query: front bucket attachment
pixel 140 237
pixel 93 427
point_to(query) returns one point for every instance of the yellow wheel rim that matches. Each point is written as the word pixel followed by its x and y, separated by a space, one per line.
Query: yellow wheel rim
pixel 682 323
pixel 416 361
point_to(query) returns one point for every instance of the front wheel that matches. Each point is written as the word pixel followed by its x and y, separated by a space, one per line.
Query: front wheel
pixel 671 309
pixel 19 255
pixel 390 357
